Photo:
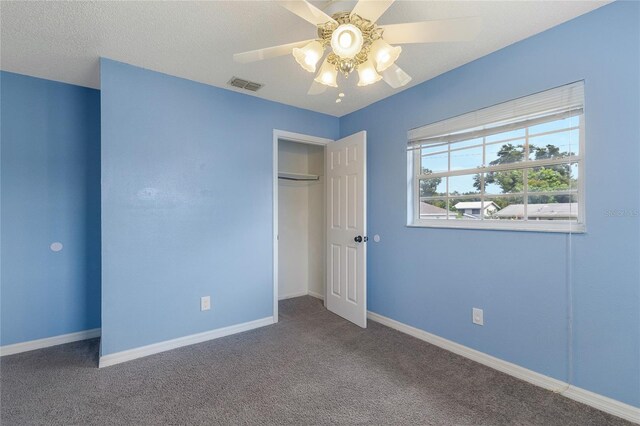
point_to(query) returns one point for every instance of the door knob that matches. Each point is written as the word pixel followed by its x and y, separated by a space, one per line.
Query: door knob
pixel 360 239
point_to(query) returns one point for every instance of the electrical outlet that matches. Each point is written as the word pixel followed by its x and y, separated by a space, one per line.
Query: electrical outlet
pixel 205 303
pixel 478 316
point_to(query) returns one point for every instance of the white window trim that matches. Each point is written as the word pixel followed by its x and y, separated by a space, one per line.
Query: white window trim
pixel 567 227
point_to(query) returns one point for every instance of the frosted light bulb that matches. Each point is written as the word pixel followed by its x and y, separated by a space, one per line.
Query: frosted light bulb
pixel 346 39
pixel 311 59
pixel 328 74
pixel 309 55
pixel 383 57
pixel 384 54
pixel 367 73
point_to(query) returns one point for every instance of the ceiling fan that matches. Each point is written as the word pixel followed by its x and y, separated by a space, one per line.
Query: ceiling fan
pixel 356 42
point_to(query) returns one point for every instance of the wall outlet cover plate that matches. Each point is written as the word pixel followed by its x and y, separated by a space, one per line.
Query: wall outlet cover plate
pixel 478 316
pixel 205 303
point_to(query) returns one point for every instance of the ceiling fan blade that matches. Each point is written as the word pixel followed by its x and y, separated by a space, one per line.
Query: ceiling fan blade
pixel 371 9
pixel 306 11
pixel 316 88
pixel 268 52
pixel 395 77
pixel 461 29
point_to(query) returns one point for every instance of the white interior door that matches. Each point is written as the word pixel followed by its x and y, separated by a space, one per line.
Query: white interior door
pixel 346 289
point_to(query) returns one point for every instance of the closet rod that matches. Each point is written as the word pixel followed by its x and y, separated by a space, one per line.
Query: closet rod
pixel 297 179
pixel 297 176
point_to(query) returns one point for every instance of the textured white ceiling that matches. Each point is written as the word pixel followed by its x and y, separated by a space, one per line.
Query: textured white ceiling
pixel 196 40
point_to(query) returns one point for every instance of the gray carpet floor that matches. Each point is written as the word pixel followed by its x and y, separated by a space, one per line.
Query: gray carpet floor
pixel 311 368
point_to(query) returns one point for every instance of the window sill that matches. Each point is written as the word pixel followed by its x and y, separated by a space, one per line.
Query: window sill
pixel 563 228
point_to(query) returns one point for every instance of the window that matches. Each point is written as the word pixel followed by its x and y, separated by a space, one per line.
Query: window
pixel 516 165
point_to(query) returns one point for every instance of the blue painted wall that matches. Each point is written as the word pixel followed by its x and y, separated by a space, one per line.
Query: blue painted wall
pixel 521 279
pixel 186 204
pixel 50 191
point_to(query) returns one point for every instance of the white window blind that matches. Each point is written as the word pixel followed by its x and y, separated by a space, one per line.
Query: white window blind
pixel 550 105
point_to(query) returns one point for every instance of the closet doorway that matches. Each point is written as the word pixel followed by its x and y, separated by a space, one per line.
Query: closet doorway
pixel 319 246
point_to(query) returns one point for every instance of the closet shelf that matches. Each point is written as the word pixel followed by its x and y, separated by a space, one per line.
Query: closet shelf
pixel 297 176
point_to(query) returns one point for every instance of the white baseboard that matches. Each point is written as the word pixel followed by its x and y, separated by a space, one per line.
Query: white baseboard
pixel 603 403
pixel 131 354
pixel 316 295
pixel 488 360
pixel 292 295
pixel 31 345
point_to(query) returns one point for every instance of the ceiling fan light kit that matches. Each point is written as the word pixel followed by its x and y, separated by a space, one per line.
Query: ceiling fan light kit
pixel 309 56
pixel 328 74
pixel 384 54
pixel 367 73
pixel 346 40
pixel 350 38
pixel 356 42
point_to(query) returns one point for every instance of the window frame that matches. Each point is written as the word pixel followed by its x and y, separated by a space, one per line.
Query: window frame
pixel 414 162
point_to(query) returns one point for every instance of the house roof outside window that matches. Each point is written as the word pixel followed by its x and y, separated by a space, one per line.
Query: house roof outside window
pixel 428 210
pixel 540 211
pixel 467 205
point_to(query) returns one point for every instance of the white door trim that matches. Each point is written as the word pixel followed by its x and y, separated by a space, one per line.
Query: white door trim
pixel 294 137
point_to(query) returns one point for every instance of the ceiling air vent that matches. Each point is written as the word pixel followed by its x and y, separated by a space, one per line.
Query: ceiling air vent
pixel 245 84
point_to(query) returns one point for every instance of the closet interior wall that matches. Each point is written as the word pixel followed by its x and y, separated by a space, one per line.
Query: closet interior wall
pixel 301 221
